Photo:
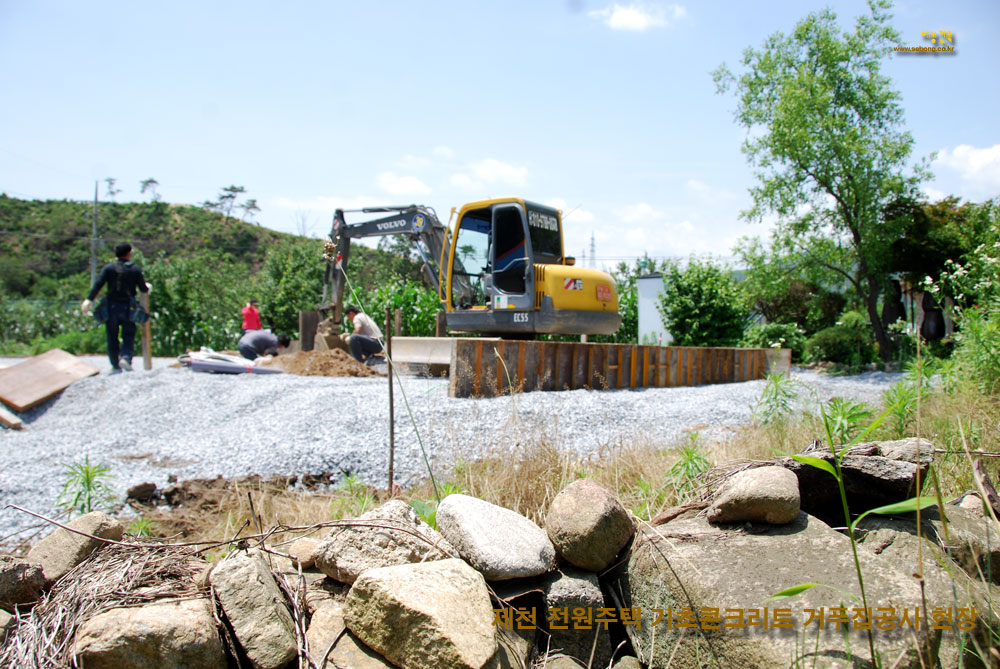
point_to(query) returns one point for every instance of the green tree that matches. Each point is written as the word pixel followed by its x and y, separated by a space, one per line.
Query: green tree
pixel 112 191
pixel 290 281
pixel 150 185
pixel 250 209
pixel 783 288
pixel 227 200
pixel 194 303
pixel 701 304
pixel 825 134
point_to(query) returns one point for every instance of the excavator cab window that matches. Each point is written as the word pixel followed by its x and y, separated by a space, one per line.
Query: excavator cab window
pixel 472 257
pixel 511 258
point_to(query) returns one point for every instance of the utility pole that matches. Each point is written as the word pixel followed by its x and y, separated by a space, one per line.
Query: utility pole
pixel 93 243
pixel 593 260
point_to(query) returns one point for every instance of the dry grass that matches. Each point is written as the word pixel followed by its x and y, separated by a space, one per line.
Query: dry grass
pixel 114 576
pixel 225 513
pixel 647 477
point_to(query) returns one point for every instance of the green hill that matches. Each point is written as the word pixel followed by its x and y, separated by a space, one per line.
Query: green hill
pixel 204 266
pixel 45 242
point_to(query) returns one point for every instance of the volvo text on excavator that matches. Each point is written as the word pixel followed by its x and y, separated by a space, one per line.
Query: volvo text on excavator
pixel 499 270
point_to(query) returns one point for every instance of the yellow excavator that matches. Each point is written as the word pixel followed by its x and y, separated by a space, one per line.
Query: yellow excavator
pixel 499 270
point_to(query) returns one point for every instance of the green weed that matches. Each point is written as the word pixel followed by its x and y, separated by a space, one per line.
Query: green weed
pixel 846 418
pixel 778 398
pixel 684 474
pixel 86 487
pixel 141 527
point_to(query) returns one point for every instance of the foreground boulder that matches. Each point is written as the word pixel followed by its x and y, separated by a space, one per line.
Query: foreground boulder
pixel 571 591
pixel 21 582
pixel 588 525
pixel 62 550
pixel 350 550
pixel 950 569
pixel 172 634
pixel 875 474
pixel 501 544
pixel 432 614
pixel 7 623
pixel 760 495
pixel 326 635
pixel 255 607
pixel 725 574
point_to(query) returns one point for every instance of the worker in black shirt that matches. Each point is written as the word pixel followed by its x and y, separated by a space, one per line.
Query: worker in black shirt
pixel 122 278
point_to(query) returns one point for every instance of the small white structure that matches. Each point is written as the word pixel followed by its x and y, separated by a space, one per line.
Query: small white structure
pixel 651 328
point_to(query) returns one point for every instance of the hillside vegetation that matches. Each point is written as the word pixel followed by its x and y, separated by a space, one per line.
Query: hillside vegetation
pixel 203 265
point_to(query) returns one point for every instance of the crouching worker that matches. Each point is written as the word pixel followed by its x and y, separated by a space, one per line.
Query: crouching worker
pixel 365 341
pixel 256 343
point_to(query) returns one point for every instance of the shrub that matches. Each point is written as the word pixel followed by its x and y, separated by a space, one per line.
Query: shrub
pixel 776 335
pixel 849 342
pixel 701 305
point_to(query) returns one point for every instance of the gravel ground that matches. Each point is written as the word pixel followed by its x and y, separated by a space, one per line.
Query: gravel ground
pixel 149 425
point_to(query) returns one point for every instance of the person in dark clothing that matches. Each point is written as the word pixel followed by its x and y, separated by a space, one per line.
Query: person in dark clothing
pixel 256 343
pixel 122 278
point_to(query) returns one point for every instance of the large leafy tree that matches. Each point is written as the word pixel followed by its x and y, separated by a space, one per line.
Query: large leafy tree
pixel 825 134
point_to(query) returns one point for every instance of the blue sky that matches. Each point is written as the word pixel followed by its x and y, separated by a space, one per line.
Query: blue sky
pixel 604 109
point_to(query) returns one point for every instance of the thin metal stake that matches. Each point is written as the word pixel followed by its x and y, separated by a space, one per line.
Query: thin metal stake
pixel 392 421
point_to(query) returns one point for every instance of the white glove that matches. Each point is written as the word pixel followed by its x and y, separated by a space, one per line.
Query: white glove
pixel 149 288
pixel 85 307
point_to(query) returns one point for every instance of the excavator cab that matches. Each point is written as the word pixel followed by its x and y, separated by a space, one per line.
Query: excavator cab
pixel 499 270
pixel 505 261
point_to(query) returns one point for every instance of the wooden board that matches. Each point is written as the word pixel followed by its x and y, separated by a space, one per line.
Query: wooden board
pixel 42 377
pixel 10 420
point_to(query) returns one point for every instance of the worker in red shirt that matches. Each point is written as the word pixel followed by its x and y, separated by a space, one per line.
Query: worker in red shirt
pixel 251 317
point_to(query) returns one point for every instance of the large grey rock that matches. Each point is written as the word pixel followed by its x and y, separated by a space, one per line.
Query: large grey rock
pixel 691 563
pixel 587 525
pixel 946 583
pixel 974 539
pixel 345 650
pixel 430 614
pixel 171 634
pixel 628 662
pixel 501 544
pixel 303 552
pixel 875 474
pixel 7 623
pixel 62 550
pixel 575 589
pixel 349 551
pixel 256 609
pixel 761 495
pixel 514 647
pixel 21 582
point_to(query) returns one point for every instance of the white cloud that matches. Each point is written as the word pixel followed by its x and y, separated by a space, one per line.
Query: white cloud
pixel 465 182
pixel 490 172
pixel 574 214
pixel 494 171
pixel 933 194
pixel 979 169
pixel 638 17
pixel 443 152
pixel 411 162
pixel 634 213
pixel 401 185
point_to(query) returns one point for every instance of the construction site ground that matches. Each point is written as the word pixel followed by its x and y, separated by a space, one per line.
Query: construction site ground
pixel 175 423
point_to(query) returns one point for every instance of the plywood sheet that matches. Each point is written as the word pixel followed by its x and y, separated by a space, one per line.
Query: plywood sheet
pixel 10 420
pixel 44 376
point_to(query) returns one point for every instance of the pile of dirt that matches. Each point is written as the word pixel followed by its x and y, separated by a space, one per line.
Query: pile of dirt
pixel 320 363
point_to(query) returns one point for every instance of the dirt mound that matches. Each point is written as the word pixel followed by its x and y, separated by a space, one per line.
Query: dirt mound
pixel 320 363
